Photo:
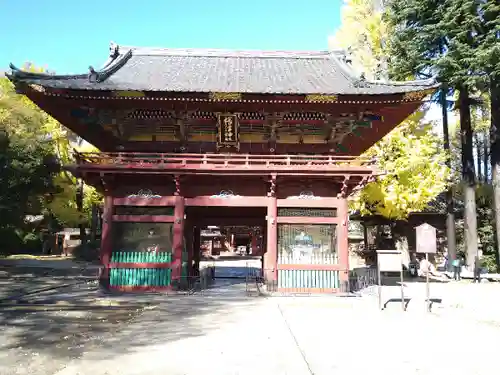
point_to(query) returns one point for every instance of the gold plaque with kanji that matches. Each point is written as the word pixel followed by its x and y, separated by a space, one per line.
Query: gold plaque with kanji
pixel 227 127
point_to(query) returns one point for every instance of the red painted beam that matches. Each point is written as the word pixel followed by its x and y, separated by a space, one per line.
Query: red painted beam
pixel 243 201
pixel 310 203
pixel 144 202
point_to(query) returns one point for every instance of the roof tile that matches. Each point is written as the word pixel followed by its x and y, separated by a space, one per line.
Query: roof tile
pixel 229 71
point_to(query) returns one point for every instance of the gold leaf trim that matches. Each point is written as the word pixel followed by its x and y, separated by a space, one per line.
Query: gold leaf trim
pixel 322 98
pixel 416 96
pixel 133 94
pixel 225 96
pixel 37 88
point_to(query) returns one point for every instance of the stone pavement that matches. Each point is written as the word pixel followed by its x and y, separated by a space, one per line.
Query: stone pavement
pixel 78 330
pixel 290 335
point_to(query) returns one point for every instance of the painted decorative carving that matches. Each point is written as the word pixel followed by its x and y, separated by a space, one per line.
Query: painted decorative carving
pixel 225 194
pixel 223 96
pixel 416 96
pixel 144 193
pixel 304 195
pixel 37 88
pixel 321 98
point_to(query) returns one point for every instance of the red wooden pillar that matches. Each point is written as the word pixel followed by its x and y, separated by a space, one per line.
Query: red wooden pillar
pixel 271 255
pixel 106 237
pixel 178 240
pixel 343 238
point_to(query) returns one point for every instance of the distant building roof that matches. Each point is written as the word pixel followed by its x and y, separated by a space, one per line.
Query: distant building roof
pixel 200 70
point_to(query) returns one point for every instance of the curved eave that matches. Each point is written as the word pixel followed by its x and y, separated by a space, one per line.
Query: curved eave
pixel 430 83
pixel 82 86
pixel 44 79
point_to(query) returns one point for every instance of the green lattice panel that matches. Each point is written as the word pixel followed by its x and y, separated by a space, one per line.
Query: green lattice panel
pixel 308 279
pixel 141 257
pixel 142 277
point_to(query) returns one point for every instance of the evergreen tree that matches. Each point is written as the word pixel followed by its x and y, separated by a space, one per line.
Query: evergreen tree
pixel 488 58
pixel 436 38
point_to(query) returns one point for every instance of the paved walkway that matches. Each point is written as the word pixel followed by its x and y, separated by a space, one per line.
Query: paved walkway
pixel 223 331
pixel 302 335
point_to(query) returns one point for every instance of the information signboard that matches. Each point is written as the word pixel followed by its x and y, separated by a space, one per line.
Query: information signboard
pixel 426 239
pixel 389 260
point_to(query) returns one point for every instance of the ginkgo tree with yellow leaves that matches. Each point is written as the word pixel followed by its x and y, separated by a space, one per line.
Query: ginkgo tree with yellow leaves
pixel 63 204
pixel 411 156
pixel 414 171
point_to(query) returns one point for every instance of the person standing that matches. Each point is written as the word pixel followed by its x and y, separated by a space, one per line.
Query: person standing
pixel 248 248
pixel 457 268
pixel 477 269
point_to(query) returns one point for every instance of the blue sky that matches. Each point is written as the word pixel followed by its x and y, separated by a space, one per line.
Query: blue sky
pixel 68 36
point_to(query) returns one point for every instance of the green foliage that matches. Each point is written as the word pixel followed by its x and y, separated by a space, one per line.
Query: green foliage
pixel 411 155
pixel 32 145
pixel 24 158
pixel 434 38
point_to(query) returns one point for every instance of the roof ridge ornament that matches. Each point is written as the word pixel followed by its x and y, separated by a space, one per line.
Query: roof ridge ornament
pixel 93 75
pixel 114 49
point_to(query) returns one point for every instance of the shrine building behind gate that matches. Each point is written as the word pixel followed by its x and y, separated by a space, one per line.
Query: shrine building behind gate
pixel 190 138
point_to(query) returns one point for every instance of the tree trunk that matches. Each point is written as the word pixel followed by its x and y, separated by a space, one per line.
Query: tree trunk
pixel 468 177
pixel 495 161
pixel 479 159
pixel 486 157
pixel 79 205
pixel 450 210
pixel 94 222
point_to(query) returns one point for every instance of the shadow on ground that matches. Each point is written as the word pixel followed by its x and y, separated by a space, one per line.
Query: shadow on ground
pixel 62 324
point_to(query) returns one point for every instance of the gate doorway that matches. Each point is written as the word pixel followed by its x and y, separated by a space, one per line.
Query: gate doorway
pixel 230 239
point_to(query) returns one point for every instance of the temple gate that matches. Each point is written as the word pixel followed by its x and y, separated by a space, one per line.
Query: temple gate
pixel 265 139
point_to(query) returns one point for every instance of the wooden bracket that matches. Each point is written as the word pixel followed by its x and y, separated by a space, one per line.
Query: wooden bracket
pixel 105 182
pixel 364 181
pixel 345 187
pixel 272 187
pixel 181 119
pixel 177 182
pixel 274 121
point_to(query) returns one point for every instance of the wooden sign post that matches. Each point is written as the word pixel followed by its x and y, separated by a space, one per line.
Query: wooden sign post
pixel 426 244
pixel 390 261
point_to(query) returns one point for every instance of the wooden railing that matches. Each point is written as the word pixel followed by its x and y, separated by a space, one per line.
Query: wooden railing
pixel 161 160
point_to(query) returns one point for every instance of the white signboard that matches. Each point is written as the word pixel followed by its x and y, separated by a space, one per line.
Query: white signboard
pixel 389 260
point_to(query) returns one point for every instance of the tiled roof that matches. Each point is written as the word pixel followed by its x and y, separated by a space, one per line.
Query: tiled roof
pixel 192 70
